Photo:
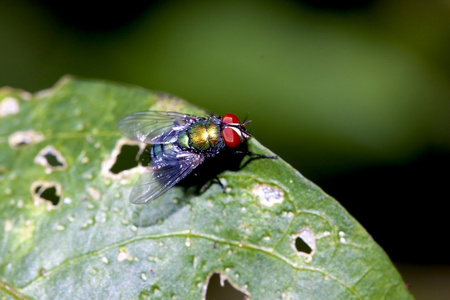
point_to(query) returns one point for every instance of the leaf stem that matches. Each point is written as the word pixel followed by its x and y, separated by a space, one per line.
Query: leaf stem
pixel 12 291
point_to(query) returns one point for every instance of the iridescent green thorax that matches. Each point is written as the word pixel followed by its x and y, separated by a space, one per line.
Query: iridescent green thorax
pixel 202 136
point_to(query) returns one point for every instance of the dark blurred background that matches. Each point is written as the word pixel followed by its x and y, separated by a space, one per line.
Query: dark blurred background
pixel 354 94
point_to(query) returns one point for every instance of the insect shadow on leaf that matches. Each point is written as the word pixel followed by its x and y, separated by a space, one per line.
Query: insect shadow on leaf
pixel 200 181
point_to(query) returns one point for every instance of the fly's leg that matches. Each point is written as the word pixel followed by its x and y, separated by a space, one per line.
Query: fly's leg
pixel 255 155
pixel 210 182
pixel 216 179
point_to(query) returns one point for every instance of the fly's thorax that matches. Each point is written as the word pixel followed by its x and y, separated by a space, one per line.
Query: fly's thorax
pixel 214 135
pixel 203 136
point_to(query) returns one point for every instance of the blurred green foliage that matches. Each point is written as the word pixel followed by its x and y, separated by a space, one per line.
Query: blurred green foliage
pixel 326 91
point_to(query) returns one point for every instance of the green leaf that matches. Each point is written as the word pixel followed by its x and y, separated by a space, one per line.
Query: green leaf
pixel 68 231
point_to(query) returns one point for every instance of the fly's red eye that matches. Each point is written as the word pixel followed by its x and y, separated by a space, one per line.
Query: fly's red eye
pixel 231 137
pixel 230 118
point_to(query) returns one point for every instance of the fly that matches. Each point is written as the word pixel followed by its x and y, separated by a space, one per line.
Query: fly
pixel 179 144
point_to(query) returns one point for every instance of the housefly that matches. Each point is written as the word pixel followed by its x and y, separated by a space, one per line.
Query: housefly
pixel 179 144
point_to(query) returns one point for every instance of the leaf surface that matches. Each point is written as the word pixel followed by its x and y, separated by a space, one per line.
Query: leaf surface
pixel 68 230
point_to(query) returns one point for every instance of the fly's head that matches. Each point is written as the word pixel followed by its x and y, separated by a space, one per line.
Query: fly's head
pixel 233 131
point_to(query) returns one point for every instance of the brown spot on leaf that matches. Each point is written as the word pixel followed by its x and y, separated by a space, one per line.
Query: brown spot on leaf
pixel 9 106
pixel 22 139
pixel 268 195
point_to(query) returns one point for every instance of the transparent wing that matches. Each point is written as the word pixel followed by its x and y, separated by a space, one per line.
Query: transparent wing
pixel 159 179
pixel 154 127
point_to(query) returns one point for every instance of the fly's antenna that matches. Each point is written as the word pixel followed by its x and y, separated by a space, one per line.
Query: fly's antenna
pixel 242 127
pixel 246 116
pixel 246 123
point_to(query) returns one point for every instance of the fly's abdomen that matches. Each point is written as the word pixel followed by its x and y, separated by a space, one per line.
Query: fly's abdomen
pixel 165 154
pixel 183 140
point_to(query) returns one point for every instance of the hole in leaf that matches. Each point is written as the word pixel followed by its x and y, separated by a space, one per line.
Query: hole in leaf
pixel 48 192
pixel 145 156
pixel 304 241
pixel 51 159
pixel 126 159
pixel 301 246
pixel 219 287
